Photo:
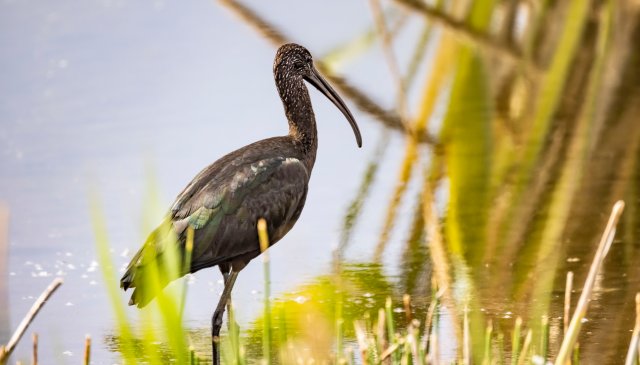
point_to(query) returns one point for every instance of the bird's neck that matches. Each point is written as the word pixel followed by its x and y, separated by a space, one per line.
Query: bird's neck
pixel 302 121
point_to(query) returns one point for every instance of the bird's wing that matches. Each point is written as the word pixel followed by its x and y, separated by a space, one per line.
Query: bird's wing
pixel 205 180
pixel 224 215
pixel 223 212
pixel 228 189
pixel 224 169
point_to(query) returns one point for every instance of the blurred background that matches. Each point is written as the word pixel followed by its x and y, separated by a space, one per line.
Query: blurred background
pixel 497 135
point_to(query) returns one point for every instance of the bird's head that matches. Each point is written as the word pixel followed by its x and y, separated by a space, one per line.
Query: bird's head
pixel 294 63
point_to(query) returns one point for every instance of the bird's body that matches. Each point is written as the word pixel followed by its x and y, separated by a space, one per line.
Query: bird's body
pixel 267 179
pixel 243 187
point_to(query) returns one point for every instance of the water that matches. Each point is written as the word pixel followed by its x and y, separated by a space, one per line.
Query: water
pixel 118 98
pixel 97 95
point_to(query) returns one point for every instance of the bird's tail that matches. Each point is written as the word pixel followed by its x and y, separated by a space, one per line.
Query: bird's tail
pixel 157 263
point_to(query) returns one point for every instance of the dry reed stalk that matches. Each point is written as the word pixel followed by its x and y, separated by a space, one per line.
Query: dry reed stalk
pixel 571 337
pixel 26 321
pixel 406 301
pixel 361 337
pixel 434 354
pixel 266 269
pixel 430 313
pixel 381 329
pixel 34 360
pixel 413 335
pixel 87 350
pixel 522 359
pixel 389 351
pixel 567 301
pixel 632 354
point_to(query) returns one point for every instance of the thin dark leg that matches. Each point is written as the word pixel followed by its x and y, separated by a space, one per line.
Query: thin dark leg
pixel 226 271
pixel 216 320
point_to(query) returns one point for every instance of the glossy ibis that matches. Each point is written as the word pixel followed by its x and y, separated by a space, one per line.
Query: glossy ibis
pixel 266 179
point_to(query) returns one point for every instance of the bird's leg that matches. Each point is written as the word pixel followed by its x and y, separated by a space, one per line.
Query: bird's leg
pixel 216 320
pixel 226 271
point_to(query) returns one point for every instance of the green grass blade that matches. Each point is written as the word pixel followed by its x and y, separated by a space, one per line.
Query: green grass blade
pixel 264 245
pixel 109 275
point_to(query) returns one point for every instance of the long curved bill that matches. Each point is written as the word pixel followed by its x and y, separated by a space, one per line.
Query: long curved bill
pixel 323 86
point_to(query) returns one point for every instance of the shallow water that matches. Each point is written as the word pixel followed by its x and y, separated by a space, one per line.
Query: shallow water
pixel 119 98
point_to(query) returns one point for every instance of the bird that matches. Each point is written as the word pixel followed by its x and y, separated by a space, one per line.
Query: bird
pixel 220 207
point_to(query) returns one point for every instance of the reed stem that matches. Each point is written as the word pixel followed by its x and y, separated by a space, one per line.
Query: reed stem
pixel 515 341
pixel 632 353
pixel 571 337
pixel 544 337
pixel 525 348
pixel 87 350
pixel 567 301
pixel 391 331
pixel 35 349
pixel 26 321
pixel 406 301
pixel 264 245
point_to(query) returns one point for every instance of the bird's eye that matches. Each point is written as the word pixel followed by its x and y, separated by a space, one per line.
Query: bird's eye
pixel 298 65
